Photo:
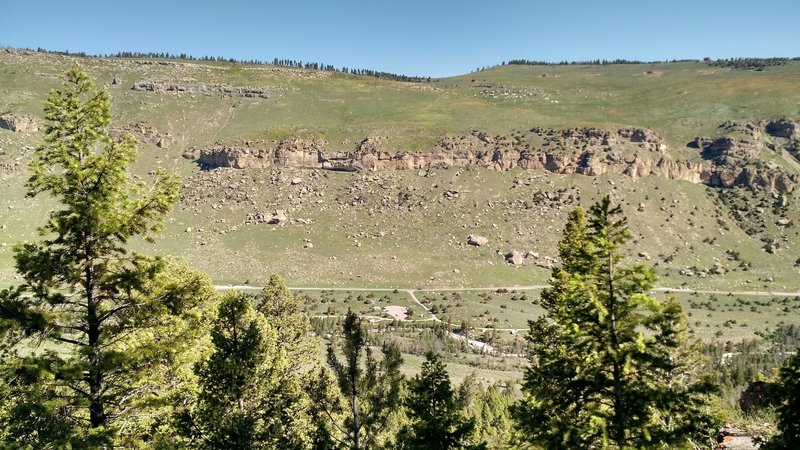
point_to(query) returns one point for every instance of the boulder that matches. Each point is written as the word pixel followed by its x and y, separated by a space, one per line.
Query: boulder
pixel 477 240
pixel 279 218
pixel 20 123
pixel 515 258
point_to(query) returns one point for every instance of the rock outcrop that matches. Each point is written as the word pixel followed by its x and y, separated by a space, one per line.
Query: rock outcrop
pixel 20 123
pixel 734 157
pixel 143 132
pixel 223 90
pixel 724 161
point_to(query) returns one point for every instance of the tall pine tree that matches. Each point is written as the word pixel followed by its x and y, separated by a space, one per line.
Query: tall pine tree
pixel 611 367
pixel 90 304
pixel 250 394
pixel 356 415
pixel 437 419
pixel 788 396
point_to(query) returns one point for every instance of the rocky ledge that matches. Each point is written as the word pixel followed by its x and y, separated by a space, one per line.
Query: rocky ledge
pixel 637 152
pixel 223 90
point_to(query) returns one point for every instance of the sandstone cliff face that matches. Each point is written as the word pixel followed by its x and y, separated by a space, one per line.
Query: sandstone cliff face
pixel 726 161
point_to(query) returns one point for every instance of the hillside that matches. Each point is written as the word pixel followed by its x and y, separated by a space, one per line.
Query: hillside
pixel 698 156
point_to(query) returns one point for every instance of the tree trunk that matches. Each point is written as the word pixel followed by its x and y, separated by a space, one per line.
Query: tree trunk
pixel 97 416
pixel 618 429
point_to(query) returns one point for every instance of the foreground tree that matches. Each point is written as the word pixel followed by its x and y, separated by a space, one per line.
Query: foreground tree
pixel 94 308
pixel 611 367
pixel 437 421
pixel 250 395
pixel 788 394
pixel 358 410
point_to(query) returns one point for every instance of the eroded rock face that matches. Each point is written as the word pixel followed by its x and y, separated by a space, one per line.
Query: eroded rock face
pixel 236 157
pixel 143 132
pixel 727 161
pixel 735 161
pixel 20 123
pixel 203 89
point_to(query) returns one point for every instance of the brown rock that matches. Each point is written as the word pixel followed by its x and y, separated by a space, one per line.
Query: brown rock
pixel 515 258
pixel 20 123
pixel 477 240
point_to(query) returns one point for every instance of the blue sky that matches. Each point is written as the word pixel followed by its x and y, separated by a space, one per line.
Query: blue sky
pixel 433 38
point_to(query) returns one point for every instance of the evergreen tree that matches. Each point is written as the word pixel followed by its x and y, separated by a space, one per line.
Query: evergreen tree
pixel 788 394
pixel 298 353
pixel 228 414
pixel 611 367
pixel 437 421
pixel 90 304
pixel 366 393
pixel 248 391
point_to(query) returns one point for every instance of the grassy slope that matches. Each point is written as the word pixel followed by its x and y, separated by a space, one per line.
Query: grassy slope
pixel 424 241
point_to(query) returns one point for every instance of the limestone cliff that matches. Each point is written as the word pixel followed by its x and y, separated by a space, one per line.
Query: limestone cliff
pixel 724 161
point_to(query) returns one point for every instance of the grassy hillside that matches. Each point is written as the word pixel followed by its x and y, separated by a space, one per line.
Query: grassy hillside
pixel 401 228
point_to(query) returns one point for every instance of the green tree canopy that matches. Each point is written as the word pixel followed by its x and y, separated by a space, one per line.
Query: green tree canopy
pixel 95 309
pixel 249 388
pixel 356 412
pixel 437 419
pixel 611 366
pixel 788 394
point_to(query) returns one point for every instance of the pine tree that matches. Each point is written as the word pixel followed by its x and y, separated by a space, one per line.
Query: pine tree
pixel 249 388
pixel 85 294
pixel 357 411
pixel 437 421
pixel 611 367
pixel 283 312
pixel 788 395
pixel 229 411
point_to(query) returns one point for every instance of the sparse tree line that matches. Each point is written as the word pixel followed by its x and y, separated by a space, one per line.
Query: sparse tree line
pixel 736 63
pixel 297 64
pixel 106 348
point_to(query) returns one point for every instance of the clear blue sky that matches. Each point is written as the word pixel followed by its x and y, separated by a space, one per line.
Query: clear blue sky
pixel 433 37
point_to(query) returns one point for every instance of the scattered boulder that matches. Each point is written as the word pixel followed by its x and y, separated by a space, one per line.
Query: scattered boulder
pixel 279 218
pixel 295 181
pixel 20 123
pixel 116 81
pixel 515 258
pixel 477 240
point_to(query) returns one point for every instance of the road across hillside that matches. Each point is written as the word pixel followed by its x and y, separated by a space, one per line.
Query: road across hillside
pixel 509 288
pixel 412 292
